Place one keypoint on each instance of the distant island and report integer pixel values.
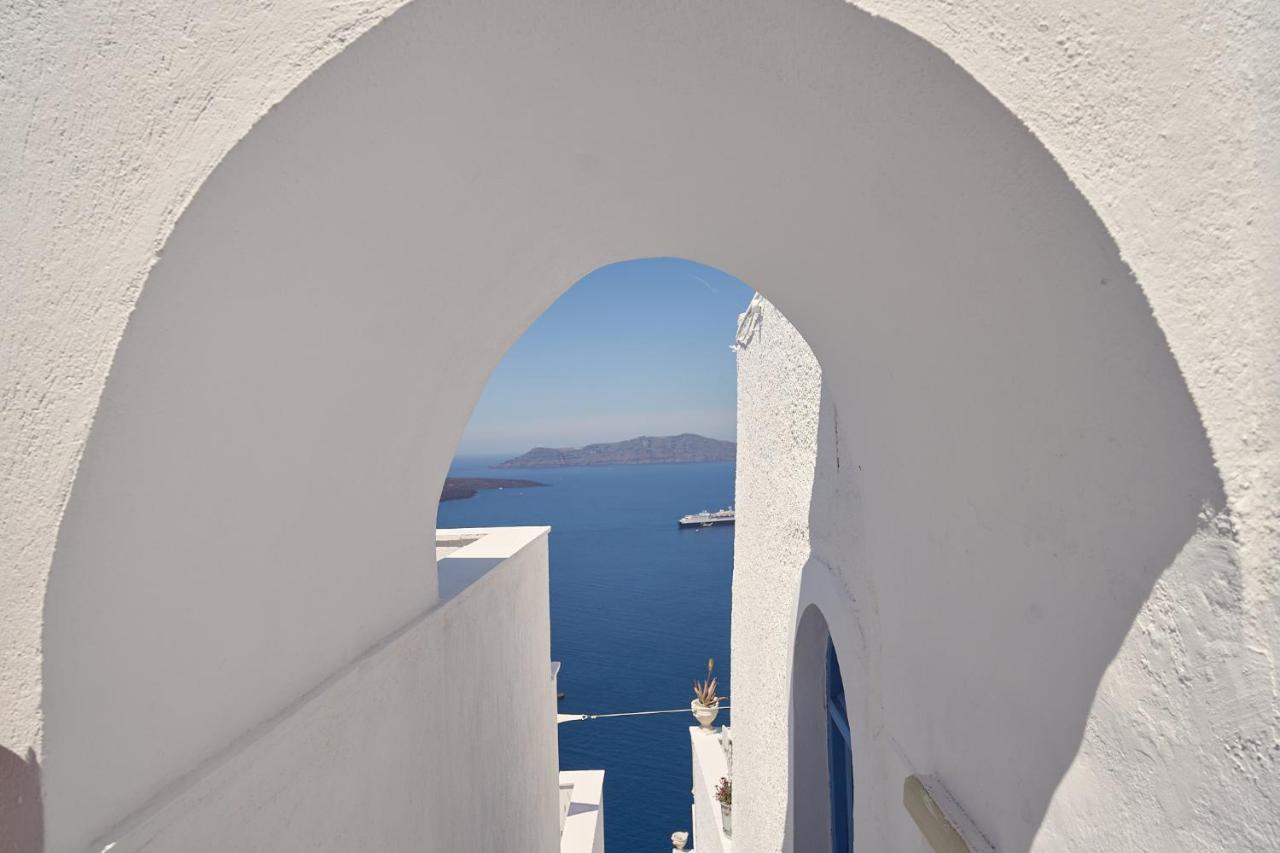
(460, 488)
(645, 450)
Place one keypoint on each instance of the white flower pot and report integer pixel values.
(704, 714)
(726, 818)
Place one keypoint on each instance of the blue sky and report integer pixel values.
(636, 348)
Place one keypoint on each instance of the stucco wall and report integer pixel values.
(464, 163)
(779, 394)
(441, 738)
(1003, 682)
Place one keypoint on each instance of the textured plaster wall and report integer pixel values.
(112, 118)
(380, 757)
(1153, 735)
(779, 394)
(470, 161)
(1167, 117)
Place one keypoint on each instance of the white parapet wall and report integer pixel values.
(581, 811)
(442, 737)
(710, 765)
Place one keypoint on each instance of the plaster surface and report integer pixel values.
(380, 757)
(709, 767)
(583, 822)
(1063, 711)
(933, 210)
(779, 398)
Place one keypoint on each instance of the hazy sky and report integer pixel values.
(637, 348)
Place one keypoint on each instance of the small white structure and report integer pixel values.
(581, 811)
(710, 765)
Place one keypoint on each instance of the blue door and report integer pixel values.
(839, 757)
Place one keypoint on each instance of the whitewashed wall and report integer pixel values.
(997, 675)
(950, 210)
(440, 738)
(709, 767)
(779, 395)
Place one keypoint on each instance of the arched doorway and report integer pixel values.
(839, 756)
(821, 795)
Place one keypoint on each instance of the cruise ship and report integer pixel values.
(707, 519)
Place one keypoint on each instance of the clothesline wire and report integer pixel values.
(634, 713)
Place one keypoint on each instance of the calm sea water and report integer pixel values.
(637, 607)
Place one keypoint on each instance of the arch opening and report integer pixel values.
(250, 509)
(612, 420)
(820, 794)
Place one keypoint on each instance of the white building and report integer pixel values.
(258, 262)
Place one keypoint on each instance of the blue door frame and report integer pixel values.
(839, 757)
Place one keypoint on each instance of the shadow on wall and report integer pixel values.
(21, 810)
(995, 544)
(456, 574)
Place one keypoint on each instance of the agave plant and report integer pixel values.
(705, 691)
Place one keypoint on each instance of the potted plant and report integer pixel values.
(724, 793)
(706, 704)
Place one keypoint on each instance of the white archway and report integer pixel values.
(303, 359)
(808, 800)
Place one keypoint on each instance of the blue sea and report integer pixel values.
(637, 607)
